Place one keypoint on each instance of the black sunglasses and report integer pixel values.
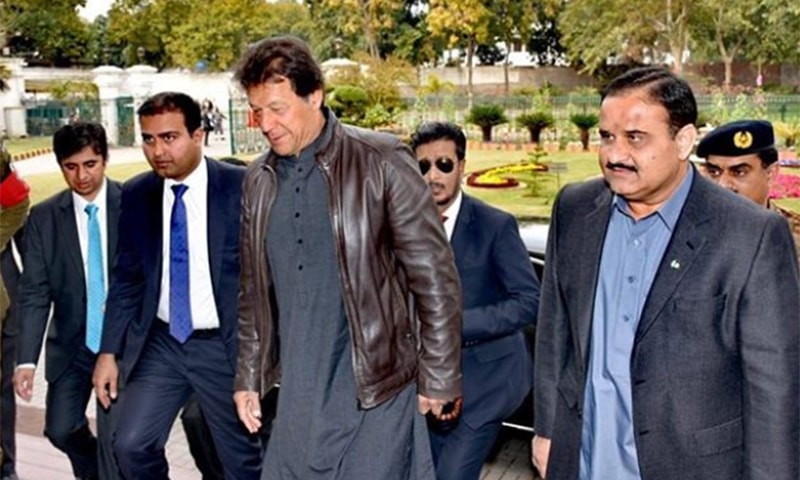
(443, 164)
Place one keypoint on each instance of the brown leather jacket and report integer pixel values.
(398, 277)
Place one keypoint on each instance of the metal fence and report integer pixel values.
(714, 109)
(43, 118)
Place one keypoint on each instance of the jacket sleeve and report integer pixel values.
(248, 368)
(512, 270)
(126, 292)
(551, 335)
(769, 323)
(34, 295)
(421, 246)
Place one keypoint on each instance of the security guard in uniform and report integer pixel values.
(741, 156)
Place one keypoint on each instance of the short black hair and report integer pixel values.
(173, 102)
(768, 156)
(431, 131)
(664, 87)
(71, 139)
(277, 58)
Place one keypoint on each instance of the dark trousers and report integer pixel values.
(459, 454)
(166, 374)
(67, 427)
(8, 405)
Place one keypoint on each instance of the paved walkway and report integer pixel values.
(37, 459)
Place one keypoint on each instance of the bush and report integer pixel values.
(584, 122)
(349, 103)
(487, 117)
(535, 122)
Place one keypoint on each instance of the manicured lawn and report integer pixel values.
(20, 145)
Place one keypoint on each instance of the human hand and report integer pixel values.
(248, 407)
(105, 378)
(23, 383)
(540, 453)
(435, 406)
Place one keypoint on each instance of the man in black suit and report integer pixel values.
(669, 330)
(501, 296)
(70, 242)
(179, 226)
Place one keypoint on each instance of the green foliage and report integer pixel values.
(789, 132)
(48, 32)
(584, 121)
(535, 122)
(377, 116)
(487, 116)
(349, 103)
(73, 91)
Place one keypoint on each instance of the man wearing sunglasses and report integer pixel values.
(500, 294)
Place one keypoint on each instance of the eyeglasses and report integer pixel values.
(443, 164)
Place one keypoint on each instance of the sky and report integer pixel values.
(94, 8)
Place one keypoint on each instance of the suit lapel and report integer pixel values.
(691, 234)
(589, 243)
(113, 196)
(66, 223)
(215, 200)
(462, 229)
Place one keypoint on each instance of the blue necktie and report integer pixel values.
(180, 309)
(96, 292)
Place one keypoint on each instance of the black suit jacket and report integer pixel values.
(501, 296)
(134, 293)
(53, 275)
(715, 367)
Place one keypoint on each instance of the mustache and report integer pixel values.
(435, 184)
(615, 165)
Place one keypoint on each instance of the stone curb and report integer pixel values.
(31, 153)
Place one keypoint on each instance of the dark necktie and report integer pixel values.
(444, 218)
(180, 309)
(96, 290)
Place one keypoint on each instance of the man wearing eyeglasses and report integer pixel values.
(500, 294)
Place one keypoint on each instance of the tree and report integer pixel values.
(544, 41)
(721, 29)
(584, 122)
(369, 18)
(487, 117)
(218, 33)
(48, 32)
(511, 22)
(535, 122)
(596, 31)
(463, 23)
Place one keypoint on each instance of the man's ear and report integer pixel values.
(773, 171)
(685, 139)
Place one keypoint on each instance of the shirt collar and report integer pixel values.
(196, 180)
(452, 211)
(671, 210)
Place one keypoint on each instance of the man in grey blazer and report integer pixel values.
(669, 327)
(66, 260)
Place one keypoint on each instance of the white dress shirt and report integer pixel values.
(204, 308)
(452, 215)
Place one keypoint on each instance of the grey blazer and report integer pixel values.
(715, 367)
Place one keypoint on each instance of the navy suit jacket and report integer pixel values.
(133, 295)
(53, 275)
(715, 370)
(501, 296)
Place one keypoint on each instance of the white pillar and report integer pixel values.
(109, 80)
(139, 84)
(14, 114)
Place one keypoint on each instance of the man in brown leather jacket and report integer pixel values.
(349, 294)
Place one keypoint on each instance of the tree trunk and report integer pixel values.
(470, 54)
(726, 83)
(585, 139)
(487, 133)
(536, 134)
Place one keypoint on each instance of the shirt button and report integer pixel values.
(627, 318)
(299, 241)
(296, 214)
(636, 243)
(631, 279)
(300, 169)
(300, 267)
(297, 189)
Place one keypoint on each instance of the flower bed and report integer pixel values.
(502, 176)
(785, 186)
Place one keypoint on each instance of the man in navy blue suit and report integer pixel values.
(501, 297)
(179, 226)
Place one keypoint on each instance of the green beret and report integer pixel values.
(737, 138)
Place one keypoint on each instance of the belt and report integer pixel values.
(199, 333)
